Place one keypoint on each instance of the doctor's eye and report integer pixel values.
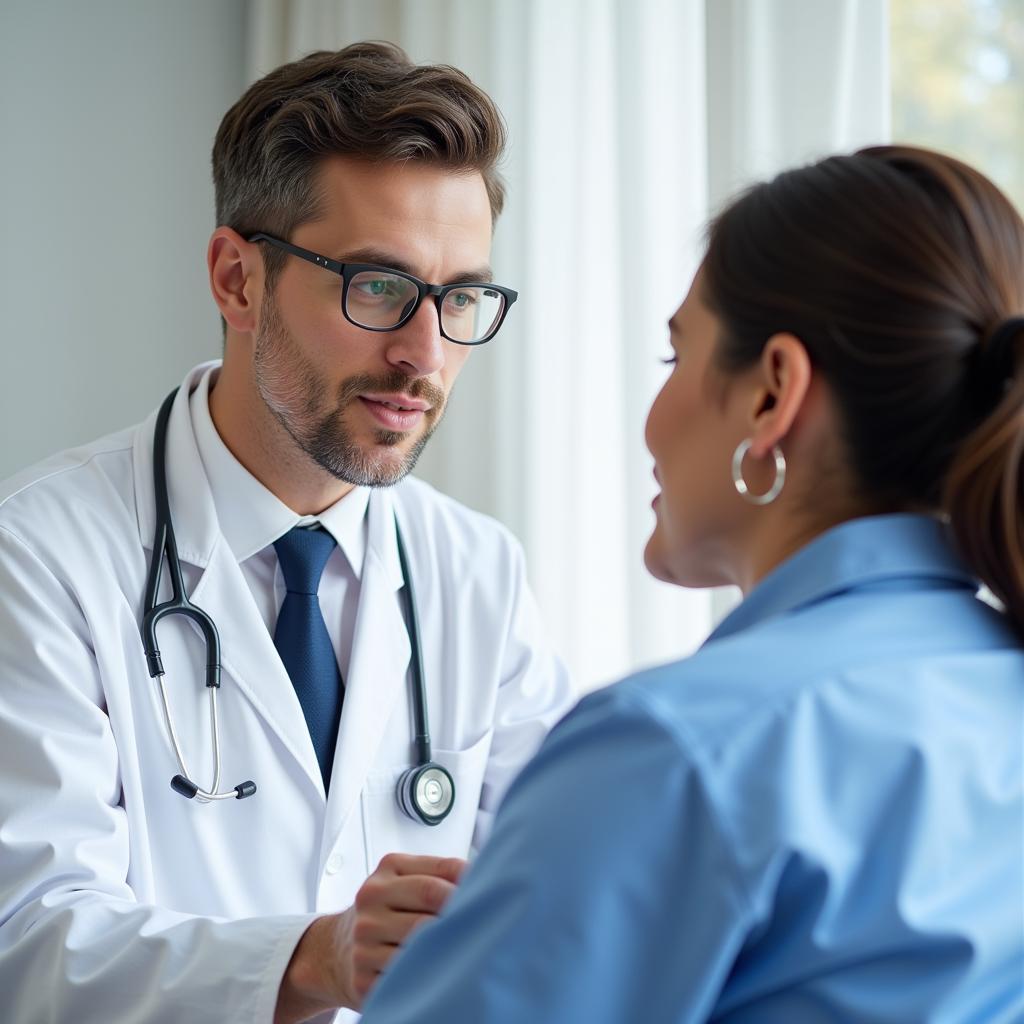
(461, 301)
(374, 288)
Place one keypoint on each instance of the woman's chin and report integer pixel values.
(680, 568)
(656, 562)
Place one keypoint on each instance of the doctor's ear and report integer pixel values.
(785, 380)
(236, 278)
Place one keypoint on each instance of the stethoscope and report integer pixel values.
(426, 791)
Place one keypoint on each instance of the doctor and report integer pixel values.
(356, 194)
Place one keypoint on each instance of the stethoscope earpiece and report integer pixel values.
(426, 793)
(189, 790)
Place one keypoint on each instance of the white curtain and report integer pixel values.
(617, 110)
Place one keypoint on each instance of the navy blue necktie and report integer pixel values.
(303, 642)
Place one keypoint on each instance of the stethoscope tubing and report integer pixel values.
(419, 700)
(165, 546)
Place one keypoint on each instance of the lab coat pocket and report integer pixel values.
(388, 830)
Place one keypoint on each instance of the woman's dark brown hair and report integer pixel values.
(367, 100)
(896, 267)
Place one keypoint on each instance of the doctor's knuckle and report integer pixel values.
(390, 863)
(431, 893)
(369, 895)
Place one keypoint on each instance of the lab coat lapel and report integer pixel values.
(378, 665)
(249, 658)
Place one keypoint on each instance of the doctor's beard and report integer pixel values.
(296, 394)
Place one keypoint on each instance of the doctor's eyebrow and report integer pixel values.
(483, 274)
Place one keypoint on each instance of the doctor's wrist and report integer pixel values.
(312, 982)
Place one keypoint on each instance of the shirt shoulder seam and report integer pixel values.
(39, 480)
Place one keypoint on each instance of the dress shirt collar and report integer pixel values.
(858, 552)
(250, 516)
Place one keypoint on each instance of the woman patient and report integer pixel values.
(819, 816)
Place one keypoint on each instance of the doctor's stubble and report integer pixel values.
(298, 397)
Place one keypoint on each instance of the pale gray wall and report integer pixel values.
(107, 114)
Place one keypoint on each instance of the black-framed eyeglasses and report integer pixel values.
(383, 299)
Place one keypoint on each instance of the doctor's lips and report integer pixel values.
(396, 411)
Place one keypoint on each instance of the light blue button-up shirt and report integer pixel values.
(818, 817)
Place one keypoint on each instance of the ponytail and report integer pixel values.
(984, 490)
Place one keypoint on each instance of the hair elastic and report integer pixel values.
(999, 352)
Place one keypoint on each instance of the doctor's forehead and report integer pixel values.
(356, 192)
(423, 213)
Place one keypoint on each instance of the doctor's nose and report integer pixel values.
(417, 347)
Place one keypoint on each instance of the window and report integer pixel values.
(958, 83)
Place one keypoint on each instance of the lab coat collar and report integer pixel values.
(859, 552)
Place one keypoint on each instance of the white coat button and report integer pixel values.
(334, 864)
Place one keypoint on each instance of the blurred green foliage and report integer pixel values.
(958, 82)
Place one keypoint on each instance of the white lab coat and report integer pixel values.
(122, 902)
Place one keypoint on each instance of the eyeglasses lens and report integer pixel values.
(379, 300)
(470, 314)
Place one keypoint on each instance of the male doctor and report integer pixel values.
(356, 194)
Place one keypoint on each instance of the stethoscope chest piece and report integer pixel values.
(426, 792)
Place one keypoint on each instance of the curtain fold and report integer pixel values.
(791, 81)
(629, 120)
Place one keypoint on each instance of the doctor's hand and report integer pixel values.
(340, 957)
(400, 895)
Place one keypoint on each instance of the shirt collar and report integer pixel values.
(250, 516)
(855, 553)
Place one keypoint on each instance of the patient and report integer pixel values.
(819, 816)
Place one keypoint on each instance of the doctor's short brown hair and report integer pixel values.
(367, 100)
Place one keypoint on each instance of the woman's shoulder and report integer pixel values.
(838, 722)
(869, 661)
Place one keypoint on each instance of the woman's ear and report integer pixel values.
(785, 380)
(236, 278)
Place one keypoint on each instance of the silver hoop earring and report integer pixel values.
(741, 485)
